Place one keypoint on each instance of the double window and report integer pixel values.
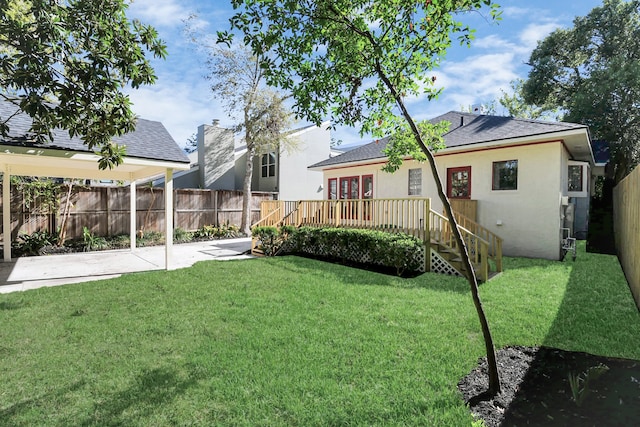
(268, 165)
(350, 187)
(505, 175)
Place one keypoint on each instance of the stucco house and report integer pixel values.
(219, 163)
(530, 179)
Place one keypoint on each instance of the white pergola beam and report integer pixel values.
(41, 162)
(6, 213)
(132, 214)
(168, 215)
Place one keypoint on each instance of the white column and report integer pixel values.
(132, 213)
(168, 215)
(6, 213)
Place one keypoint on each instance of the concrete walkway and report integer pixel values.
(26, 273)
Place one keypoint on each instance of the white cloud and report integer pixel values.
(494, 42)
(181, 106)
(515, 12)
(532, 33)
(167, 13)
(476, 79)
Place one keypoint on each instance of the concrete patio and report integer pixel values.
(27, 273)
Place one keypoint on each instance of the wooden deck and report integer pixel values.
(412, 216)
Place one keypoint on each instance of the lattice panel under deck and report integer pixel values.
(441, 266)
(354, 253)
(422, 257)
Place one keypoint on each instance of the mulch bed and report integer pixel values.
(536, 390)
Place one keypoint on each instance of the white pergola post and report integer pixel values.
(132, 215)
(168, 215)
(6, 213)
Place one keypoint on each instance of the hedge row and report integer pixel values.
(397, 250)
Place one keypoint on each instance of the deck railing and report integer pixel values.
(276, 212)
(494, 241)
(406, 215)
(478, 248)
(411, 216)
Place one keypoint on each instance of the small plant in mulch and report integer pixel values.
(579, 383)
(536, 389)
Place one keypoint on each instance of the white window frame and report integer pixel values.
(414, 181)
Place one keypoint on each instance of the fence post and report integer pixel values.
(427, 235)
(215, 208)
(108, 210)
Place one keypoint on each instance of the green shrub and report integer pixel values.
(398, 250)
(32, 244)
(224, 231)
(150, 238)
(121, 241)
(93, 242)
(270, 239)
(180, 235)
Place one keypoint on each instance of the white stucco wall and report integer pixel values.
(293, 180)
(260, 183)
(296, 181)
(216, 158)
(530, 215)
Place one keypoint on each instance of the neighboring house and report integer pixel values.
(530, 178)
(221, 164)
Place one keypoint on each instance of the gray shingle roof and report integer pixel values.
(150, 140)
(465, 129)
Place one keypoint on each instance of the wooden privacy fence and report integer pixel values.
(105, 210)
(626, 223)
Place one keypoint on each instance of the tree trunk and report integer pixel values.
(245, 224)
(494, 380)
(65, 215)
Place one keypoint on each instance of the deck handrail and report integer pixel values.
(495, 241)
(273, 218)
(477, 247)
(408, 215)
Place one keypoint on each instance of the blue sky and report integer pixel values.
(181, 98)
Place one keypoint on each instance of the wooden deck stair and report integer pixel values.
(454, 258)
(412, 216)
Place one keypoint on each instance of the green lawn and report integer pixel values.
(289, 341)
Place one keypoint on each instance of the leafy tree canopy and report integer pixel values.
(357, 62)
(331, 55)
(66, 64)
(238, 81)
(516, 106)
(592, 72)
